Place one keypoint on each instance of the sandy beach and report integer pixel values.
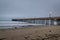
(32, 33)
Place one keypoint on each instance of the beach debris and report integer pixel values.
(51, 36)
(47, 37)
(26, 37)
(37, 38)
(2, 38)
(15, 27)
(33, 39)
(50, 31)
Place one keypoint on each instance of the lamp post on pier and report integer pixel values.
(50, 18)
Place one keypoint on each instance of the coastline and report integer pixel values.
(31, 33)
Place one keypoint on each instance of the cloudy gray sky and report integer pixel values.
(28, 8)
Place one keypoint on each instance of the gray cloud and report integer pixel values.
(28, 8)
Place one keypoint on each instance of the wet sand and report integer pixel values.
(32, 33)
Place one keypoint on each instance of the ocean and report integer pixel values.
(18, 24)
(11, 24)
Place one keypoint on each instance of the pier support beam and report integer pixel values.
(49, 22)
(45, 22)
(55, 22)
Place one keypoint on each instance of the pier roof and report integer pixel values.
(42, 18)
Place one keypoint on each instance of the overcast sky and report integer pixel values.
(28, 8)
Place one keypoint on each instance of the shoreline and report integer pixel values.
(26, 26)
